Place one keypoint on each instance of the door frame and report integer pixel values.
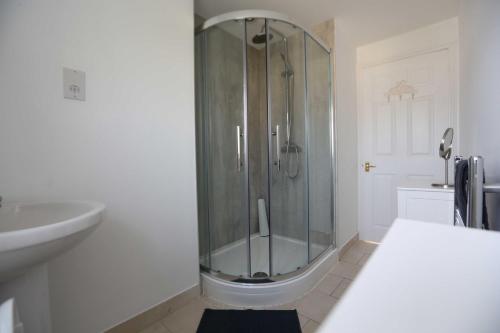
(397, 55)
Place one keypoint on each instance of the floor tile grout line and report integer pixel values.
(348, 275)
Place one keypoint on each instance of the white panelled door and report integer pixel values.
(399, 135)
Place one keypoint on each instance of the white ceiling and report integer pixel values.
(366, 20)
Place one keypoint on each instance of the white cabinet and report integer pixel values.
(426, 203)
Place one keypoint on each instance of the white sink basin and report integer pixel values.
(33, 233)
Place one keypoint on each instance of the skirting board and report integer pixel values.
(157, 312)
(348, 244)
(152, 315)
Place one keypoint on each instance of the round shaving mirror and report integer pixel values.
(445, 153)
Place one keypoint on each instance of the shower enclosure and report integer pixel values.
(264, 125)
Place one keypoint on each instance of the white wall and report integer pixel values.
(130, 145)
(480, 89)
(347, 140)
(425, 39)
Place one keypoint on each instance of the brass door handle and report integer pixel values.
(368, 166)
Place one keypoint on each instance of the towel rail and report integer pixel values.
(492, 188)
(475, 191)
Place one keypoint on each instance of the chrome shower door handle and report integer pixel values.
(238, 148)
(278, 151)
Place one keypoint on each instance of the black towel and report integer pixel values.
(461, 176)
(461, 179)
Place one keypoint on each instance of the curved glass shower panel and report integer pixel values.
(225, 160)
(320, 148)
(264, 146)
(287, 147)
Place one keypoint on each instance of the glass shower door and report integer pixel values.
(227, 178)
(320, 151)
(257, 147)
(287, 148)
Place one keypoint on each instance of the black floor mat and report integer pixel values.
(249, 321)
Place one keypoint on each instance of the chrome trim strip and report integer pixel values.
(246, 188)
(333, 143)
(253, 13)
(269, 148)
(307, 131)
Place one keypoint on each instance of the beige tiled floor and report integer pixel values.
(312, 308)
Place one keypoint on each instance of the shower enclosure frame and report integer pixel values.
(276, 17)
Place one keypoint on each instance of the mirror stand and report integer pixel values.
(446, 184)
(445, 153)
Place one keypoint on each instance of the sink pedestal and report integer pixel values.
(31, 292)
(31, 234)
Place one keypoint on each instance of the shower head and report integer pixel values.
(261, 37)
